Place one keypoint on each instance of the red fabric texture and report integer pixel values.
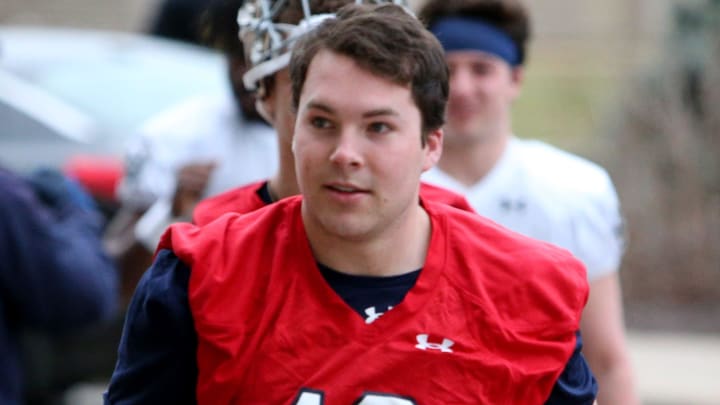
(239, 200)
(505, 306)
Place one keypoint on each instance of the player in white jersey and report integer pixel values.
(197, 149)
(539, 190)
(207, 129)
(529, 186)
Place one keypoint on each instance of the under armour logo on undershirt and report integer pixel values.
(423, 344)
(372, 315)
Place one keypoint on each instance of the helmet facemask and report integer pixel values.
(268, 44)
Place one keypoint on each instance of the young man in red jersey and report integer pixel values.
(360, 291)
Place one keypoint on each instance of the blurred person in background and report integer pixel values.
(270, 307)
(195, 150)
(179, 20)
(527, 185)
(55, 276)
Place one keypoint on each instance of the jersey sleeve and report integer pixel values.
(598, 230)
(156, 357)
(576, 385)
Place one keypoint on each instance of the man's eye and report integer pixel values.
(481, 69)
(378, 127)
(319, 122)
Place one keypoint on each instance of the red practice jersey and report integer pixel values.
(246, 199)
(491, 319)
(240, 199)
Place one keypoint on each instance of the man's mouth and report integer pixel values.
(346, 188)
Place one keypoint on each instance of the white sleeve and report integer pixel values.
(598, 230)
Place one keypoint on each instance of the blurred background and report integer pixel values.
(631, 84)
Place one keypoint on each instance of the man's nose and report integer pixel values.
(347, 149)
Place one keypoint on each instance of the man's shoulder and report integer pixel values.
(558, 168)
(441, 194)
(216, 250)
(240, 200)
(574, 204)
(474, 231)
(491, 260)
(189, 240)
(547, 159)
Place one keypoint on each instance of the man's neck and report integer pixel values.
(284, 183)
(399, 249)
(468, 163)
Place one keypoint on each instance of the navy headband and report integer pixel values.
(469, 34)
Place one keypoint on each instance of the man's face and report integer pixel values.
(482, 88)
(357, 149)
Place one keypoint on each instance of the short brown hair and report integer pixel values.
(509, 16)
(389, 42)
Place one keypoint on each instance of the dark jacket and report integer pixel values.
(54, 273)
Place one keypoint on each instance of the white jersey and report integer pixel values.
(552, 195)
(202, 129)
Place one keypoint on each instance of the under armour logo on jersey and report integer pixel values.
(423, 344)
(372, 315)
(509, 204)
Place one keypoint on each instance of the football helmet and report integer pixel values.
(268, 43)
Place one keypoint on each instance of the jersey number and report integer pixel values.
(311, 397)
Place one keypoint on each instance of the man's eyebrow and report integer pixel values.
(379, 112)
(315, 105)
(372, 113)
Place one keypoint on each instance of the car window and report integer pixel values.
(122, 95)
(118, 80)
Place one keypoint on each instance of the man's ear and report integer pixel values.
(517, 77)
(264, 108)
(433, 148)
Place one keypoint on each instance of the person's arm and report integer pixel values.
(156, 358)
(599, 233)
(147, 177)
(606, 350)
(153, 196)
(576, 385)
(56, 275)
(131, 257)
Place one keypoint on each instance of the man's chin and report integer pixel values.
(460, 137)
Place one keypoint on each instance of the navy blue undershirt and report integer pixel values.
(364, 293)
(264, 194)
(159, 342)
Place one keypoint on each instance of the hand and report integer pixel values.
(192, 180)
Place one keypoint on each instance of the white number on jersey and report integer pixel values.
(311, 397)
